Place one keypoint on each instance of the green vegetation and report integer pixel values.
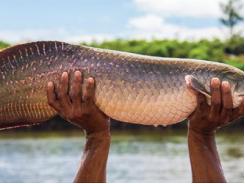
(229, 51)
(3, 45)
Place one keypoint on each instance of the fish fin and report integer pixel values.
(195, 84)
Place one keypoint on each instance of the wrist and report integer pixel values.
(201, 127)
(201, 132)
(98, 140)
(100, 135)
(94, 126)
(200, 139)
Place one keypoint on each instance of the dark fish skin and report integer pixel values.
(129, 87)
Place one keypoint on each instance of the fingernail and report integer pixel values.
(77, 73)
(225, 84)
(64, 74)
(90, 80)
(50, 84)
(215, 81)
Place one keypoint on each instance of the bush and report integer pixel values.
(3, 45)
(234, 46)
(213, 50)
(235, 61)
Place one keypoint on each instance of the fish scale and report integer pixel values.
(129, 87)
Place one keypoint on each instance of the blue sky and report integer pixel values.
(86, 20)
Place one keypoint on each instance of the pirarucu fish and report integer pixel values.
(129, 87)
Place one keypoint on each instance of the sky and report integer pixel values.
(99, 20)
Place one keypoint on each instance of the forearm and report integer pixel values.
(94, 159)
(205, 162)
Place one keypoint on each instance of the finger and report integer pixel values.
(63, 91)
(215, 98)
(226, 101)
(238, 112)
(226, 95)
(201, 102)
(51, 96)
(89, 91)
(76, 89)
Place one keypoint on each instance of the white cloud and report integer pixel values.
(61, 34)
(153, 26)
(152, 23)
(192, 8)
(147, 23)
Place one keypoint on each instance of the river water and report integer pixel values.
(134, 157)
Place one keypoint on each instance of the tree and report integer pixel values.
(231, 14)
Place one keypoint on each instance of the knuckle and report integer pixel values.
(74, 95)
(61, 94)
(226, 92)
(87, 98)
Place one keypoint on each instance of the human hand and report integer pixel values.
(206, 119)
(75, 105)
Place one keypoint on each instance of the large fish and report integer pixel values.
(129, 87)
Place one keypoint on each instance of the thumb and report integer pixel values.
(188, 82)
(201, 100)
